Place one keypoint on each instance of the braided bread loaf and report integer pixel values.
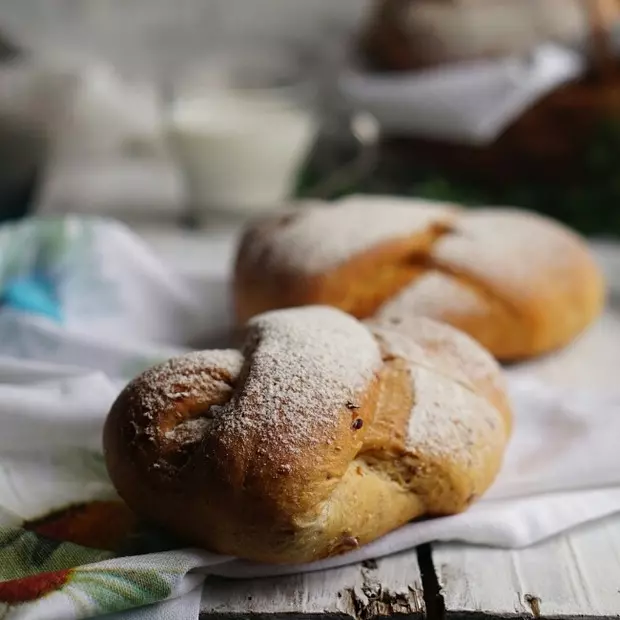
(517, 282)
(321, 435)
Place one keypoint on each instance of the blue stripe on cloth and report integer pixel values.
(32, 295)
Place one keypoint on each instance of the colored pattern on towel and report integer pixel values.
(69, 547)
(85, 558)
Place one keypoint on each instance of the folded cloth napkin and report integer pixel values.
(471, 102)
(84, 306)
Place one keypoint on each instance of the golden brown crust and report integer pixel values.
(322, 435)
(519, 283)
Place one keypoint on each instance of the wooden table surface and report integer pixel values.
(571, 576)
(576, 575)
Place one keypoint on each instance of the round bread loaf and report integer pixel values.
(321, 435)
(519, 283)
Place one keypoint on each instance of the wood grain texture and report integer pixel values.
(388, 587)
(576, 575)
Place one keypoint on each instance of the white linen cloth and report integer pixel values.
(471, 102)
(85, 305)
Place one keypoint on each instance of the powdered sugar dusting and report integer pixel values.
(304, 365)
(451, 414)
(453, 348)
(190, 431)
(322, 236)
(444, 349)
(448, 420)
(509, 249)
(435, 295)
(199, 376)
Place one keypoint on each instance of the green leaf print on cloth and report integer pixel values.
(80, 559)
(111, 590)
(87, 591)
(24, 553)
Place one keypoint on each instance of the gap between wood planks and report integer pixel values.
(434, 602)
(433, 598)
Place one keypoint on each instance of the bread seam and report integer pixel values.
(430, 367)
(429, 264)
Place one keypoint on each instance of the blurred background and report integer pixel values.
(186, 114)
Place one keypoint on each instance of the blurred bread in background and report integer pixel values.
(410, 34)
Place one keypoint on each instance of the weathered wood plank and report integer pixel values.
(576, 575)
(391, 586)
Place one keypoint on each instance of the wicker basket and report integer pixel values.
(549, 140)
